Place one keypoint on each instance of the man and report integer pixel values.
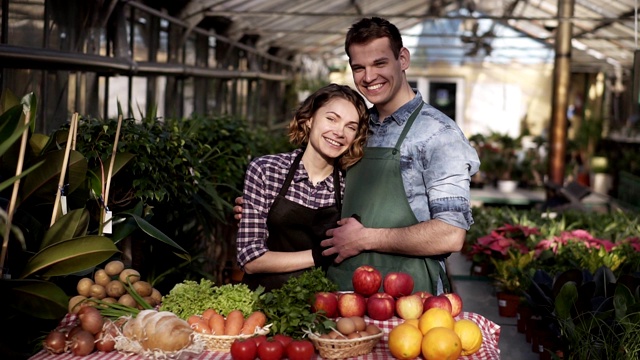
(411, 189)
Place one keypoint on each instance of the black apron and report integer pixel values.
(375, 192)
(294, 227)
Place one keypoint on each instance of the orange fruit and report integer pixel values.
(405, 342)
(435, 317)
(470, 335)
(413, 322)
(441, 343)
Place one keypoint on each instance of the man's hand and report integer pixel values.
(237, 210)
(346, 241)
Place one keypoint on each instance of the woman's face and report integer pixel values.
(333, 128)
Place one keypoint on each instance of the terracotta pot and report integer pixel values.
(508, 304)
(532, 323)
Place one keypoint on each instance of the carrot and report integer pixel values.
(193, 319)
(207, 313)
(256, 319)
(216, 323)
(234, 323)
(201, 326)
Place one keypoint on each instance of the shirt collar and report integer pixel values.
(302, 174)
(401, 115)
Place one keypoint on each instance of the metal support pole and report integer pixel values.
(560, 94)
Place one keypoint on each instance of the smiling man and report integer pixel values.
(410, 191)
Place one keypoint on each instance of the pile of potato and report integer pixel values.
(110, 285)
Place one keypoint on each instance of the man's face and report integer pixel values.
(377, 74)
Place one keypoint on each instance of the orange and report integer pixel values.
(435, 317)
(405, 342)
(441, 343)
(413, 322)
(470, 335)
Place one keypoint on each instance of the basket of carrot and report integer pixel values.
(218, 333)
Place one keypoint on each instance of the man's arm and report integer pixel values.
(432, 237)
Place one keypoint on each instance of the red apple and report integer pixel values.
(327, 302)
(456, 303)
(409, 307)
(398, 284)
(423, 295)
(381, 306)
(366, 280)
(352, 304)
(439, 301)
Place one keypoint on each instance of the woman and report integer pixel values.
(291, 199)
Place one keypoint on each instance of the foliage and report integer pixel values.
(513, 274)
(596, 315)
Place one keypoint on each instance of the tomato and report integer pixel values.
(270, 350)
(259, 339)
(284, 339)
(243, 349)
(300, 350)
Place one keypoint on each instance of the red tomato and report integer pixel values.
(284, 339)
(243, 349)
(259, 339)
(300, 350)
(270, 350)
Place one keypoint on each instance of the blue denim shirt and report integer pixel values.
(437, 162)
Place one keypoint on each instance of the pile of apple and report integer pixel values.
(396, 298)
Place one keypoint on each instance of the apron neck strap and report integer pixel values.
(336, 179)
(408, 125)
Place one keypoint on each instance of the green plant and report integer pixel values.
(513, 274)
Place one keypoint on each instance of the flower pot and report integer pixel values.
(532, 323)
(507, 186)
(508, 304)
(480, 269)
(523, 314)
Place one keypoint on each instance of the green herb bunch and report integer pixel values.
(288, 309)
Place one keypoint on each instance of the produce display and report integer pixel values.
(306, 318)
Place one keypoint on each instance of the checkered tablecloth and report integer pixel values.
(488, 351)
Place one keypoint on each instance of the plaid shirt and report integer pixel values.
(263, 181)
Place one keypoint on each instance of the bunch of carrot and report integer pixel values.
(211, 322)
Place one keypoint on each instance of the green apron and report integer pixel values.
(375, 192)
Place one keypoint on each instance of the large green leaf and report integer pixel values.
(8, 100)
(70, 256)
(95, 180)
(565, 299)
(44, 182)
(154, 232)
(10, 128)
(72, 225)
(5, 184)
(41, 299)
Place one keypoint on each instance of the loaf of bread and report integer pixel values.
(159, 330)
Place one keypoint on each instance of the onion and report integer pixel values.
(82, 343)
(73, 331)
(55, 342)
(106, 339)
(90, 319)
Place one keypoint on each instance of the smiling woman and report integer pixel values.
(291, 199)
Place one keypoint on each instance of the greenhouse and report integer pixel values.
(183, 157)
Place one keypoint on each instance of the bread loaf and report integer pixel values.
(162, 330)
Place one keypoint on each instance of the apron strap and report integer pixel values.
(290, 174)
(407, 127)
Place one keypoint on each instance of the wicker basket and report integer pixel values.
(222, 343)
(345, 348)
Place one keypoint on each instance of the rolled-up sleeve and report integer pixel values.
(252, 237)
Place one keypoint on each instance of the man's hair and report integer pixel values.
(369, 29)
(299, 131)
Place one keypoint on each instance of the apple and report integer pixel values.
(409, 307)
(327, 302)
(456, 303)
(423, 295)
(398, 284)
(366, 280)
(439, 301)
(381, 306)
(352, 304)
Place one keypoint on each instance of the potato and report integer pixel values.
(143, 288)
(114, 268)
(115, 289)
(84, 287)
(129, 275)
(76, 302)
(127, 300)
(98, 291)
(155, 294)
(101, 277)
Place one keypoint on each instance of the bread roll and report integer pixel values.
(163, 331)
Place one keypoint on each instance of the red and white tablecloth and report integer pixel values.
(488, 351)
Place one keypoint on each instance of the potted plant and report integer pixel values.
(511, 277)
(501, 160)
